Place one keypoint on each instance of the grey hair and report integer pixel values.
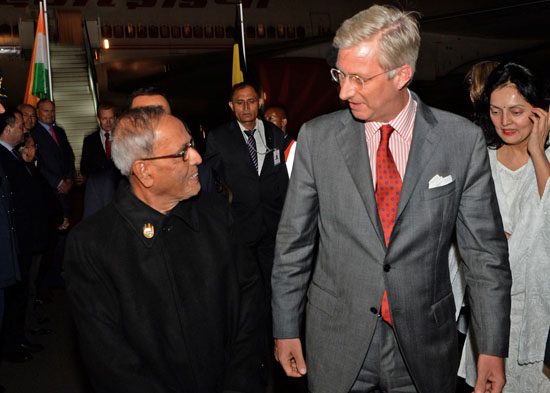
(396, 30)
(20, 107)
(133, 136)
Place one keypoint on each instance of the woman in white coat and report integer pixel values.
(516, 129)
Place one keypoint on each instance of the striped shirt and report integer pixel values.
(400, 140)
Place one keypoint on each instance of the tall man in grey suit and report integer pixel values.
(384, 186)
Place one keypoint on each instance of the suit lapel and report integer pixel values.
(49, 137)
(424, 142)
(353, 145)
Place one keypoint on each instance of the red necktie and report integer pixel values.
(107, 145)
(53, 136)
(388, 190)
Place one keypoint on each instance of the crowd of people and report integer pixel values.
(347, 256)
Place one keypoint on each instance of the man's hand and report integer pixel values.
(65, 186)
(288, 352)
(65, 224)
(490, 374)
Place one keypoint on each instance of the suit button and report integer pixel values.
(374, 310)
(387, 268)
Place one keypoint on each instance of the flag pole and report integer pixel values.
(48, 48)
(242, 31)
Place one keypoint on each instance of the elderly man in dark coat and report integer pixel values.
(164, 296)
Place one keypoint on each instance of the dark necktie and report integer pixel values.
(17, 154)
(252, 147)
(108, 145)
(53, 136)
(388, 191)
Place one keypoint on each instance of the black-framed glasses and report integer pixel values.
(184, 154)
(356, 81)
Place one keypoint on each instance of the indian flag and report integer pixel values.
(38, 83)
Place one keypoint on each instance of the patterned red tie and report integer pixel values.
(388, 190)
(108, 145)
(53, 136)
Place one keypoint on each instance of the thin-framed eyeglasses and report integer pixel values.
(356, 81)
(184, 154)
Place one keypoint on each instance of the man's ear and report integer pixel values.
(142, 173)
(231, 106)
(284, 122)
(260, 102)
(403, 76)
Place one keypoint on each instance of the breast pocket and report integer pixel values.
(439, 192)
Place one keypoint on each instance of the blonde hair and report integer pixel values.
(396, 30)
(476, 77)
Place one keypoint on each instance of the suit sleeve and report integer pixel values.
(69, 157)
(112, 364)
(484, 249)
(213, 155)
(295, 245)
(85, 159)
(244, 368)
(46, 168)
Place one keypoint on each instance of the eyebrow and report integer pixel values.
(513, 106)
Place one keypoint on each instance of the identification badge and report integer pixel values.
(276, 157)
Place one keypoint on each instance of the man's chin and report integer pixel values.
(359, 115)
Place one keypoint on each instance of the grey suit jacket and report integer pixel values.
(331, 195)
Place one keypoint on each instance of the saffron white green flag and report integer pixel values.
(38, 84)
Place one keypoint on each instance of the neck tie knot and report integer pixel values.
(250, 133)
(385, 132)
(107, 136)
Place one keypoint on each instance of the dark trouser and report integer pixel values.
(16, 298)
(383, 370)
(31, 318)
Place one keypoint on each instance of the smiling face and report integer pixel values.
(509, 112)
(174, 179)
(380, 99)
(29, 117)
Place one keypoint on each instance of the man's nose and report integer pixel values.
(347, 90)
(194, 156)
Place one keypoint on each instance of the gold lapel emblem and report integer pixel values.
(148, 231)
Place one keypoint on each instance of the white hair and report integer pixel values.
(133, 136)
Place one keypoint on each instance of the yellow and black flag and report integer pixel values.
(239, 57)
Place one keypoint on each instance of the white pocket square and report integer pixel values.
(439, 181)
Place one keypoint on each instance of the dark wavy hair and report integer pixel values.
(524, 81)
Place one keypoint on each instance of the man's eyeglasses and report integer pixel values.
(356, 81)
(184, 154)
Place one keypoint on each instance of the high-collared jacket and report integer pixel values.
(164, 303)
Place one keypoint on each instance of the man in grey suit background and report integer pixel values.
(384, 187)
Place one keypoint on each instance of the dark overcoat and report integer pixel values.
(9, 268)
(176, 312)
